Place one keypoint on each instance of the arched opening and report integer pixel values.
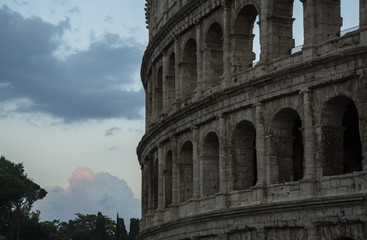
(244, 164)
(155, 184)
(168, 180)
(209, 161)
(242, 40)
(342, 148)
(159, 93)
(298, 26)
(213, 55)
(287, 145)
(171, 78)
(186, 172)
(350, 21)
(189, 69)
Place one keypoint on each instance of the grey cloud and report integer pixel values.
(89, 193)
(112, 131)
(22, 3)
(74, 10)
(108, 19)
(87, 85)
(112, 148)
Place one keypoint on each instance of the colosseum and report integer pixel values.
(250, 145)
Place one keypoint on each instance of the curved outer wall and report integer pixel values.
(236, 149)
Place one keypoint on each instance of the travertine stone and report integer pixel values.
(239, 150)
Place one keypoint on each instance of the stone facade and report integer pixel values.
(235, 149)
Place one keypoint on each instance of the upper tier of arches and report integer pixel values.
(201, 54)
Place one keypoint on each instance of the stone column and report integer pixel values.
(309, 32)
(178, 74)
(363, 130)
(166, 9)
(144, 195)
(226, 45)
(165, 67)
(196, 163)
(223, 156)
(362, 13)
(149, 185)
(160, 177)
(199, 61)
(175, 159)
(153, 104)
(148, 104)
(264, 38)
(309, 144)
(260, 146)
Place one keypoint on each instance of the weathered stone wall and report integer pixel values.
(241, 150)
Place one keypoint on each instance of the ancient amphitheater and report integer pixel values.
(237, 149)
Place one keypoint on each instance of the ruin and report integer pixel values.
(246, 145)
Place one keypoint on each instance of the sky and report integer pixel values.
(72, 103)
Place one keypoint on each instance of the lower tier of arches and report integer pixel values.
(314, 218)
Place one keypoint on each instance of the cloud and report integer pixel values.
(89, 84)
(74, 10)
(89, 193)
(112, 148)
(112, 131)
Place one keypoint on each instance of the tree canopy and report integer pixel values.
(17, 195)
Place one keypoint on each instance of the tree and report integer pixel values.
(17, 195)
(91, 226)
(134, 228)
(100, 230)
(120, 231)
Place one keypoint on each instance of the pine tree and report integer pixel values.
(120, 232)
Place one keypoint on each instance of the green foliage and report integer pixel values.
(120, 231)
(134, 228)
(17, 195)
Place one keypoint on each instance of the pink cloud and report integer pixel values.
(88, 193)
(82, 176)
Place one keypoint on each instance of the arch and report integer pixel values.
(168, 179)
(213, 55)
(350, 21)
(287, 146)
(155, 184)
(159, 93)
(244, 162)
(342, 148)
(242, 40)
(171, 78)
(209, 161)
(186, 171)
(189, 69)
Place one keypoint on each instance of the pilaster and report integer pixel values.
(165, 67)
(196, 163)
(260, 146)
(226, 45)
(177, 73)
(363, 13)
(223, 156)
(199, 61)
(309, 143)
